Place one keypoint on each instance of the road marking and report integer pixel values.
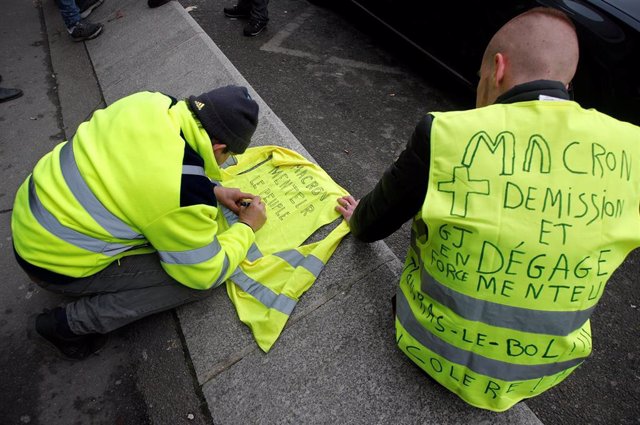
(363, 65)
(274, 45)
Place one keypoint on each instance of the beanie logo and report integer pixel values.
(199, 105)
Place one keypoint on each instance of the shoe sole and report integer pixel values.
(89, 37)
(15, 96)
(88, 11)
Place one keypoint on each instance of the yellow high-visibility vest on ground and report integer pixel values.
(281, 265)
(530, 208)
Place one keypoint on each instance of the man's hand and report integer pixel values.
(230, 197)
(346, 206)
(254, 213)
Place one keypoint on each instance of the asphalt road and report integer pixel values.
(351, 92)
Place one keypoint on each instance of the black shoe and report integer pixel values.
(9, 94)
(236, 12)
(85, 30)
(156, 3)
(254, 28)
(87, 6)
(75, 347)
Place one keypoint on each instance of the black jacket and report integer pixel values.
(401, 191)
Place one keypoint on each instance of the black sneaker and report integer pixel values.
(87, 6)
(75, 347)
(254, 28)
(7, 94)
(236, 12)
(85, 30)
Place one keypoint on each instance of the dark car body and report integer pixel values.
(455, 34)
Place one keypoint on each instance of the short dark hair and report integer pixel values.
(550, 11)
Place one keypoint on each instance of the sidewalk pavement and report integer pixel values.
(336, 361)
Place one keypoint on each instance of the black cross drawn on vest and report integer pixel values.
(461, 187)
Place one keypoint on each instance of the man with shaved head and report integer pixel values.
(522, 209)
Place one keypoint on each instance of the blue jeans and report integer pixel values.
(69, 11)
(135, 287)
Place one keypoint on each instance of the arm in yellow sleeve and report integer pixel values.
(191, 250)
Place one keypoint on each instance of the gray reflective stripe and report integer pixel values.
(229, 162)
(194, 170)
(295, 259)
(266, 296)
(313, 264)
(225, 267)
(49, 222)
(88, 200)
(254, 252)
(192, 256)
(228, 215)
(560, 323)
(475, 362)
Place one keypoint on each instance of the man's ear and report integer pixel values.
(218, 147)
(499, 68)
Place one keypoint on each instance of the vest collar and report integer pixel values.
(196, 136)
(533, 90)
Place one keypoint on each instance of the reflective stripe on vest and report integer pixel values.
(266, 296)
(49, 222)
(479, 364)
(192, 256)
(90, 203)
(193, 170)
(295, 259)
(112, 224)
(522, 319)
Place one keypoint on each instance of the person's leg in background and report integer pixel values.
(78, 29)
(258, 19)
(241, 10)
(254, 10)
(87, 6)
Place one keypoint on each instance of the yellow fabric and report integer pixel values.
(130, 155)
(530, 208)
(300, 199)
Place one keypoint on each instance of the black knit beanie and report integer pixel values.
(228, 114)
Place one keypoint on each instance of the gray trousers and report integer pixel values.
(135, 287)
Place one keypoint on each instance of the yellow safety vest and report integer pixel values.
(530, 208)
(115, 191)
(283, 262)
